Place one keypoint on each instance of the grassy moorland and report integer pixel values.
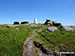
(59, 40)
(12, 40)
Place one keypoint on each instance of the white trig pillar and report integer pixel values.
(35, 20)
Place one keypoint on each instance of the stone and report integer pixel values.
(9, 26)
(48, 22)
(15, 23)
(28, 47)
(39, 30)
(25, 22)
(56, 23)
(72, 27)
(17, 28)
(67, 28)
(33, 25)
(52, 29)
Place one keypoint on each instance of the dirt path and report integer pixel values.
(29, 46)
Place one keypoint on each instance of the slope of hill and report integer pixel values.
(12, 40)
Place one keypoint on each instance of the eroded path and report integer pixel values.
(28, 47)
(31, 48)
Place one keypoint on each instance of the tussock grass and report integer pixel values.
(11, 40)
(58, 40)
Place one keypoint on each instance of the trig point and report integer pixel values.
(35, 20)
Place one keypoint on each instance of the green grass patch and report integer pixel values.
(11, 40)
(58, 40)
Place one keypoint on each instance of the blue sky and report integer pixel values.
(26, 10)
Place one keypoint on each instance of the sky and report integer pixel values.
(62, 11)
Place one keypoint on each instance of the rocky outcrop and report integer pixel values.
(48, 22)
(52, 29)
(25, 22)
(56, 23)
(16, 23)
(52, 23)
(67, 28)
(73, 27)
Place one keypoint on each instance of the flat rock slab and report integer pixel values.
(73, 27)
(52, 29)
(67, 28)
(9, 26)
(33, 25)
